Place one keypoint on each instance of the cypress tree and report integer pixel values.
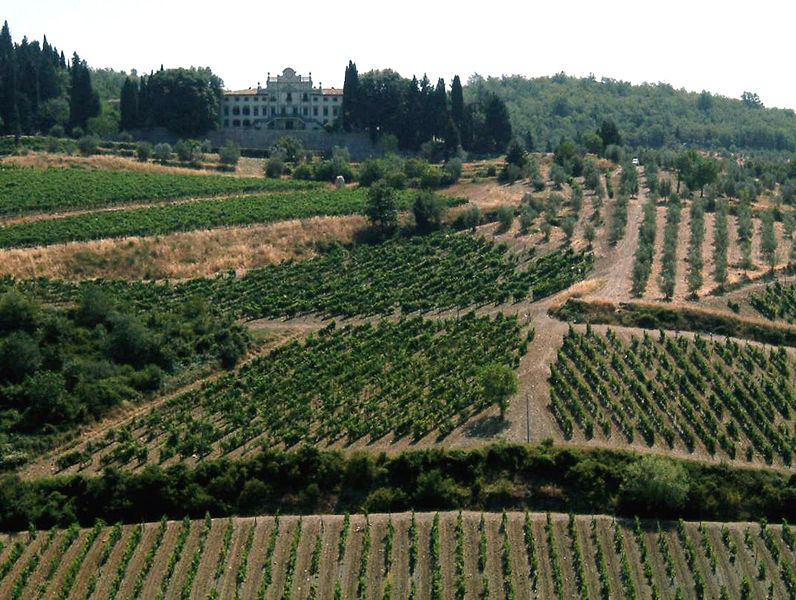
(9, 112)
(128, 105)
(439, 109)
(496, 124)
(351, 117)
(457, 102)
(83, 102)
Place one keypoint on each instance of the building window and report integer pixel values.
(246, 99)
(236, 110)
(295, 110)
(237, 99)
(305, 98)
(273, 110)
(325, 111)
(315, 99)
(314, 111)
(325, 99)
(334, 111)
(273, 98)
(283, 110)
(289, 97)
(246, 110)
(257, 111)
(236, 122)
(245, 122)
(226, 111)
(226, 99)
(334, 99)
(226, 122)
(306, 111)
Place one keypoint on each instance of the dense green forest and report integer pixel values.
(63, 367)
(648, 115)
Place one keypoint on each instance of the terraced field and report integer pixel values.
(191, 216)
(384, 382)
(427, 556)
(422, 273)
(28, 190)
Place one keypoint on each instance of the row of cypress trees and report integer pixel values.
(416, 111)
(39, 88)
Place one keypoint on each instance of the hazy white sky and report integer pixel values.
(726, 46)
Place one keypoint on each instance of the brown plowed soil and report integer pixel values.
(174, 585)
(205, 577)
(8, 582)
(257, 558)
(727, 574)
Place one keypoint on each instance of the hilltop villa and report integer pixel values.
(288, 101)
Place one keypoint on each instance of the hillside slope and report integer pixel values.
(653, 115)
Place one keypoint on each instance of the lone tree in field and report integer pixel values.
(381, 209)
(499, 383)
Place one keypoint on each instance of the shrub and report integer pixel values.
(415, 167)
(453, 169)
(57, 130)
(505, 217)
(558, 176)
(370, 171)
(162, 152)
(429, 211)
(469, 219)
(19, 357)
(17, 312)
(381, 209)
(431, 178)
(274, 167)
(87, 145)
(653, 482)
(143, 151)
(304, 172)
(229, 155)
(188, 151)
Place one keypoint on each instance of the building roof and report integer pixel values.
(254, 92)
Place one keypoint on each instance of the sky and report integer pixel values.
(726, 47)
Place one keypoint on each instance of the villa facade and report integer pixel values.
(287, 102)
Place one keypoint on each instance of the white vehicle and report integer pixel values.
(635, 161)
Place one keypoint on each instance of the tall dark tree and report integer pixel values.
(128, 106)
(609, 133)
(457, 103)
(9, 112)
(186, 101)
(83, 102)
(438, 104)
(350, 96)
(496, 124)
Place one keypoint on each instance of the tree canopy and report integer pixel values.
(418, 111)
(652, 115)
(185, 101)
